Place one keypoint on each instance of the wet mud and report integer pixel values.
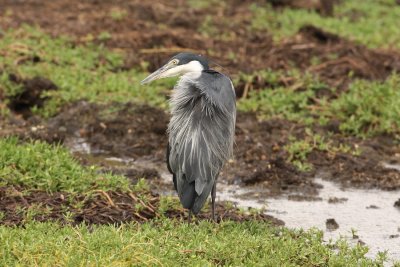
(31, 94)
(138, 133)
(19, 207)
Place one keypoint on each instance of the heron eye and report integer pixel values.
(175, 62)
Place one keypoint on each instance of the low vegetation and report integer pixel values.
(369, 23)
(369, 108)
(295, 102)
(171, 243)
(39, 166)
(88, 72)
(299, 149)
(94, 73)
(366, 109)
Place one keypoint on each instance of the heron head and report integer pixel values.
(179, 64)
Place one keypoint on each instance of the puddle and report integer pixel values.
(392, 166)
(80, 145)
(369, 212)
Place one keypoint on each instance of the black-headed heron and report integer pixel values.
(201, 129)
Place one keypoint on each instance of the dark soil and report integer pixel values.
(19, 207)
(138, 132)
(261, 158)
(31, 94)
(127, 131)
(335, 200)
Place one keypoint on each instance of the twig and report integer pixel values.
(107, 196)
(141, 217)
(302, 46)
(143, 204)
(246, 90)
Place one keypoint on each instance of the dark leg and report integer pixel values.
(213, 194)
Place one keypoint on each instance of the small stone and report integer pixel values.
(331, 224)
(397, 203)
(335, 200)
(373, 207)
(304, 198)
(62, 129)
(360, 242)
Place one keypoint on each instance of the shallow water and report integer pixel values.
(392, 166)
(369, 212)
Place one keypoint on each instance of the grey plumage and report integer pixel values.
(201, 130)
(201, 134)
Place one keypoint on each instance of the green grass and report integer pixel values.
(299, 149)
(118, 14)
(38, 165)
(294, 102)
(88, 71)
(370, 22)
(205, 4)
(172, 243)
(367, 108)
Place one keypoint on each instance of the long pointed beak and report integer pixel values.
(157, 74)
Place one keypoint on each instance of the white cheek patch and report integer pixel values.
(193, 66)
(192, 70)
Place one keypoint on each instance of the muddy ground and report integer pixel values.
(151, 32)
(103, 207)
(259, 154)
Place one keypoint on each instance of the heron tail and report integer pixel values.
(201, 199)
(188, 195)
(190, 199)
